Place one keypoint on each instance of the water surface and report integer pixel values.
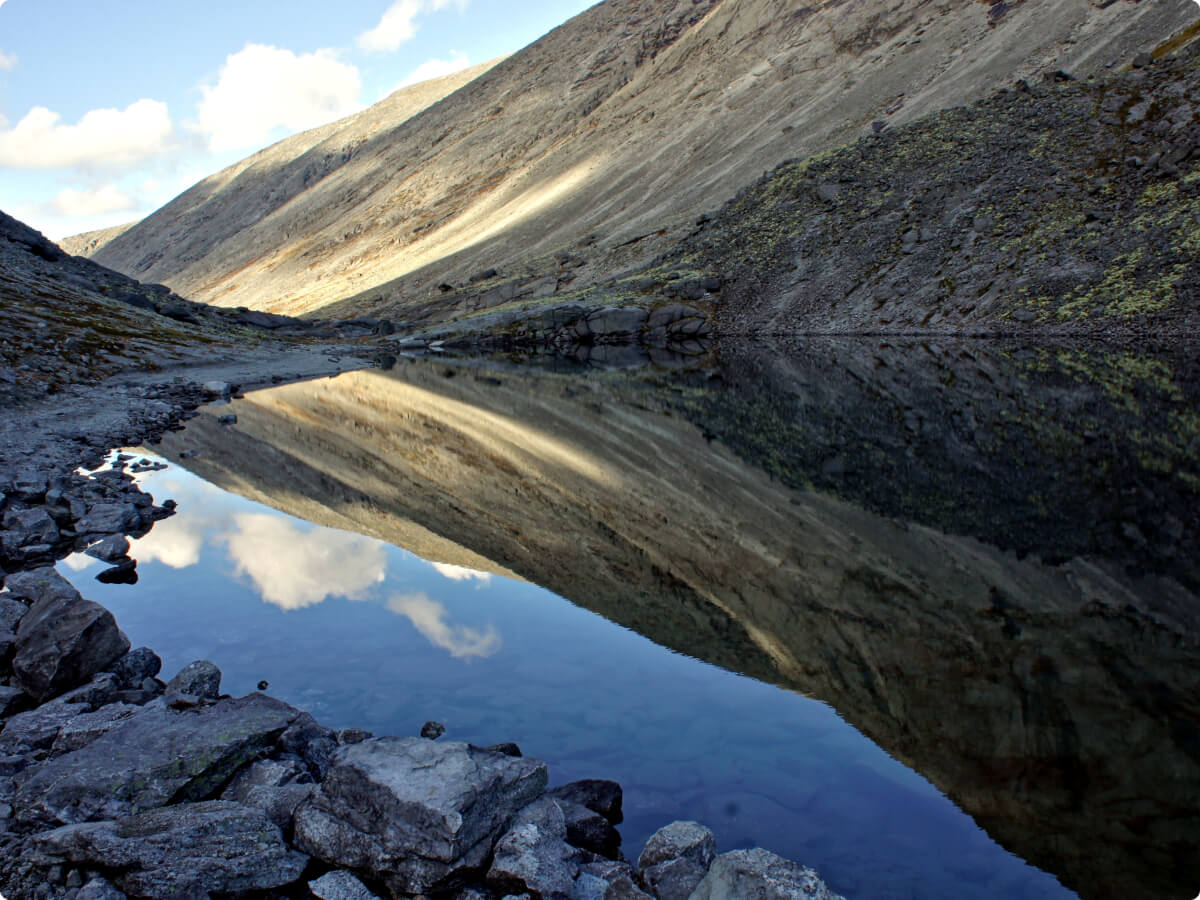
(920, 617)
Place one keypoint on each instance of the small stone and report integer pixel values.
(353, 736)
(433, 730)
(340, 885)
(828, 192)
(227, 419)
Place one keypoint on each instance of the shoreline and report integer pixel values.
(111, 778)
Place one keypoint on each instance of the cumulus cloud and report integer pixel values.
(261, 88)
(171, 544)
(8, 61)
(92, 201)
(112, 138)
(461, 573)
(293, 569)
(399, 24)
(429, 618)
(436, 68)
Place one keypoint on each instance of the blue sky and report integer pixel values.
(109, 108)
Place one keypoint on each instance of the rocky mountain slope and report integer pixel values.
(593, 149)
(1005, 681)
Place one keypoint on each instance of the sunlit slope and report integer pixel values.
(634, 116)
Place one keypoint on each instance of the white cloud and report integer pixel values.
(461, 573)
(103, 137)
(436, 68)
(399, 24)
(92, 201)
(261, 88)
(293, 569)
(429, 618)
(8, 61)
(171, 544)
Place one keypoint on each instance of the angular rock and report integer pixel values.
(154, 758)
(597, 794)
(102, 689)
(533, 856)
(189, 850)
(35, 524)
(268, 773)
(679, 840)
(761, 875)
(311, 742)
(38, 584)
(673, 879)
(413, 813)
(109, 518)
(135, 667)
(112, 548)
(624, 888)
(340, 885)
(37, 729)
(81, 730)
(200, 679)
(63, 640)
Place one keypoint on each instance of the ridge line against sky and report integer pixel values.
(118, 108)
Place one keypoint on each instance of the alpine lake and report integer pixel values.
(922, 615)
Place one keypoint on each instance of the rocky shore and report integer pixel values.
(115, 783)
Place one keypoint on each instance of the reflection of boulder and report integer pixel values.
(1060, 706)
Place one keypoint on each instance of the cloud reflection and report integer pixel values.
(292, 568)
(429, 618)
(462, 573)
(177, 547)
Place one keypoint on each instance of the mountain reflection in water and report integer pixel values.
(983, 557)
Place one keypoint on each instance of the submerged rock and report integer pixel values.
(189, 850)
(413, 813)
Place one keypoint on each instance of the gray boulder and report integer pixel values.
(597, 794)
(109, 518)
(135, 667)
(590, 830)
(37, 729)
(11, 613)
(624, 888)
(36, 525)
(340, 885)
(676, 859)
(112, 548)
(189, 850)
(275, 786)
(412, 812)
(533, 856)
(198, 679)
(761, 875)
(153, 758)
(63, 640)
(81, 730)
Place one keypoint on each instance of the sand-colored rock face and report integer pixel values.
(631, 118)
(1056, 704)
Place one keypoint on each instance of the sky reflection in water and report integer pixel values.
(365, 634)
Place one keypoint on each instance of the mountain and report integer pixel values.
(594, 149)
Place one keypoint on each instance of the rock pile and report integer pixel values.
(114, 783)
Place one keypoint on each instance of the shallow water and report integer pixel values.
(888, 623)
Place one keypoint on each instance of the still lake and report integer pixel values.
(921, 616)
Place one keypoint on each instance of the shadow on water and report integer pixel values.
(984, 557)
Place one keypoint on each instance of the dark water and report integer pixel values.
(922, 617)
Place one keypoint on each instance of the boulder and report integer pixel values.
(612, 321)
(676, 859)
(81, 730)
(11, 613)
(64, 639)
(533, 856)
(413, 813)
(188, 850)
(312, 742)
(761, 875)
(37, 729)
(199, 679)
(156, 757)
(12, 701)
(135, 667)
(35, 525)
(111, 549)
(340, 885)
(109, 518)
(99, 889)
(275, 786)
